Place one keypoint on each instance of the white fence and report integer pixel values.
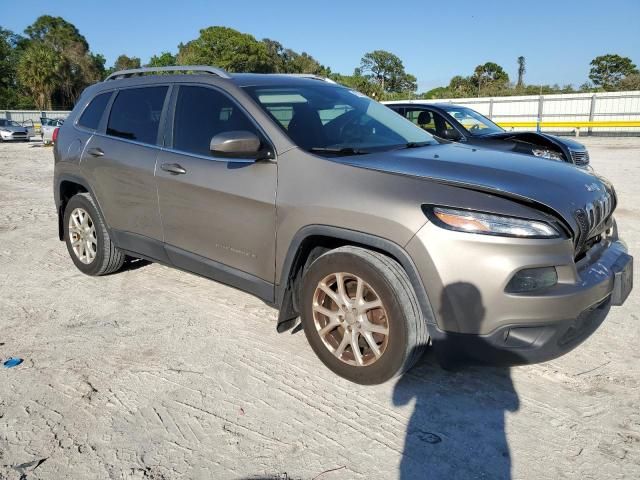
(572, 107)
(34, 116)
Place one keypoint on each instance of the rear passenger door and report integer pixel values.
(119, 162)
(218, 214)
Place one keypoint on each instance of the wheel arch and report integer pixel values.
(311, 241)
(66, 187)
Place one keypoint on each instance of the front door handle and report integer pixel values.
(96, 152)
(173, 168)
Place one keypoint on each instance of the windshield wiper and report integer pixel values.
(417, 144)
(338, 151)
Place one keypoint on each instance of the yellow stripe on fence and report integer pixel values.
(612, 123)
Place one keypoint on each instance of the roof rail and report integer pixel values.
(186, 68)
(309, 75)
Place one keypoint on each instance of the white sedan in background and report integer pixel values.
(48, 127)
(12, 131)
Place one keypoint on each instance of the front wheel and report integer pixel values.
(361, 315)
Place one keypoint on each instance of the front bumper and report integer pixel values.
(17, 136)
(465, 276)
(520, 345)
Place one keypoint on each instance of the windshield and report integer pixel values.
(472, 121)
(8, 123)
(334, 120)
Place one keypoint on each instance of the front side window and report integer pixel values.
(135, 114)
(472, 121)
(428, 120)
(202, 113)
(327, 119)
(93, 113)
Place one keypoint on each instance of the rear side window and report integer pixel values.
(202, 113)
(135, 114)
(93, 113)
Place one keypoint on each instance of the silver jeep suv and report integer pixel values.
(331, 207)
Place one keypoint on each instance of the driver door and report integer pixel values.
(218, 214)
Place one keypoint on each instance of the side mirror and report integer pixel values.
(451, 134)
(237, 143)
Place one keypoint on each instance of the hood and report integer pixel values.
(558, 186)
(13, 128)
(539, 138)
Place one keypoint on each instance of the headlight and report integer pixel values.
(489, 224)
(4, 131)
(550, 154)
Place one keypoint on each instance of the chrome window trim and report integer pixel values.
(215, 159)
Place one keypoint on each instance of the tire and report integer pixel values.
(383, 279)
(102, 256)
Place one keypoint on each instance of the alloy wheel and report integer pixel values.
(82, 235)
(350, 319)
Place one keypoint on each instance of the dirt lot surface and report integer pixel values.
(155, 373)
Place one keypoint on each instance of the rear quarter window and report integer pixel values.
(91, 116)
(135, 114)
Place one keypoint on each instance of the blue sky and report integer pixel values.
(436, 40)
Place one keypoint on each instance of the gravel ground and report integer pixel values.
(155, 373)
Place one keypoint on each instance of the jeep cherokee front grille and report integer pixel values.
(580, 158)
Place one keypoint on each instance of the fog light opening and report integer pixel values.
(532, 279)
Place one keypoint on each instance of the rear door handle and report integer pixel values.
(173, 168)
(96, 152)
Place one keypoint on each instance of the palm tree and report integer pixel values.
(522, 69)
(39, 72)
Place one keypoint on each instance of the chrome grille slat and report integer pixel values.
(591, 218)
(580, 157)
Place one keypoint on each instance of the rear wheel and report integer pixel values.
(361, 315)
(87, 238)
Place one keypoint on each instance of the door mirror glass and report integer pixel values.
(237, 143)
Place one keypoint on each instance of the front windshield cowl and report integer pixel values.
(332, 120)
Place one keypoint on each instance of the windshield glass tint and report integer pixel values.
(473, 122)
(320, 117)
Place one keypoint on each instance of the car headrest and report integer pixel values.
(425, 118)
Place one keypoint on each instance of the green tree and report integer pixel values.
(78, 67)
(630, 82)
(608, 70)
(360, 83)
(124, 62)
(438, 92)
(56, 32)
(39, 72)
(491, 77)
(8, 67)
(387, 70)
(285, 60)
(522, 69)
(277, 55)
(460, 86)
(165, 59)
(303, 63)
(226, 48)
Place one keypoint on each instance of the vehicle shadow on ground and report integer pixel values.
(457, 429)
(134, 264)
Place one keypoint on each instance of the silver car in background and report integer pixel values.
(48, 127)
(12, 131)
